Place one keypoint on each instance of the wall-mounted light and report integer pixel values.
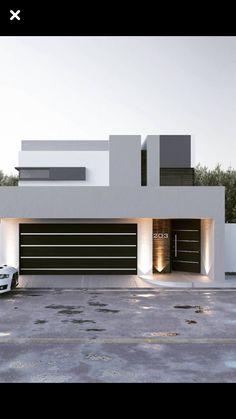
(160, 265)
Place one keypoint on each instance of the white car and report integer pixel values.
(8, 278)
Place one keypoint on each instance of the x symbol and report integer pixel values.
(15, 15)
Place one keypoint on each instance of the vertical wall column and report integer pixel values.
(1, 244)
(230, 246)
(207, 247)
(212, 249)
(144, 246)
(219, 247)
(125, 160)
(9, 243)
(153, 160)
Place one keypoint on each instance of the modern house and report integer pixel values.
(111, 207)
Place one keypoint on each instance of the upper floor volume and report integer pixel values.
(123, 160)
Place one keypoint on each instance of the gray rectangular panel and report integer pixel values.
(67, 173)
(175, 151)
(52, 173)
(29, 174)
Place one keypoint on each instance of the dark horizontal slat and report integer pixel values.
(74, 272)
(81, 240)
(188, 246)
(78, 251)
(190, 267)
(176, 176)
(78, 263)
(195, 257)
(186, 235)
(186, 224)
(78, 228)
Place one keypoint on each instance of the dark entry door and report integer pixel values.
(59, 249)
(186, 245)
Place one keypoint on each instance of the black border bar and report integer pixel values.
(115, 19)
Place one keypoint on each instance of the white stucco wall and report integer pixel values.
(96, 163)
(230, 247)
(144, 246)
(1, 243)
(9, 242)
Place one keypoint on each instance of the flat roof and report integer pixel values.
(67, 145)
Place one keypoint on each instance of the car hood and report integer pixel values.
(7, 269)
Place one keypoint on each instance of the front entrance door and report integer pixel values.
(186, 245)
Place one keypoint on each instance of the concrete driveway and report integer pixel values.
(139, 335)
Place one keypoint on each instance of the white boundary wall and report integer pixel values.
(230, 247)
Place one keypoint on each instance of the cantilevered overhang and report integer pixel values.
(111, 202)
(51, 173)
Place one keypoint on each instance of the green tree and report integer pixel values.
(8, 180)
(219, 177)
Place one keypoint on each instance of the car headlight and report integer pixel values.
(4, 276)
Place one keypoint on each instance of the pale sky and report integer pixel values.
(86, 88)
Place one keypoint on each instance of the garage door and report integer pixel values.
(78, 249)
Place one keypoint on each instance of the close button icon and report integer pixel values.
(15, 15)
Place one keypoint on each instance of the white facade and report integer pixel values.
(130, 191)
(96, 164)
